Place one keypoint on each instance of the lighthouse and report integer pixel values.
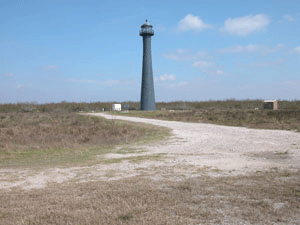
(147, 90)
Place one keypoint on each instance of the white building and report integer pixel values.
(116, 107)
(271, 104)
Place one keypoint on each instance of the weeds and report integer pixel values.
(282, 153)
(263, 119)
(262, 198)
(228, 112)
(230, 104)
(135, 159)
(30, 138)
(126, 217)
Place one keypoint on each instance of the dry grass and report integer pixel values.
(262, 198)
(176, 105)
(61, 138)
(264, 119)
(226, 112)
(29, 139)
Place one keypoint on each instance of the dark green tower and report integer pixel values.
(147, 93)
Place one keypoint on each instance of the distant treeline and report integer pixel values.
(177, 105)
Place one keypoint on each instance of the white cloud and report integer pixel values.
(269, 63)
(203, 64)
(9, 75)
(48, 67)
(108, 83)
(290, 83)
(265, 63)
(159, 28)
(185, 55)
(210, 68)
(82, 81)
(190, 22)
(180, 84)
(200, 59)
(297, 50)
(20, 87)
(248, 87)
(219, 72)
(111, 83)
(51, 67)
(240, 49)
(202, 55)
(268, 50)
(262, 49)
(289, 18)
(182, 51)
(165, 77)
(179, 55)
(127, 82)
(243, 26)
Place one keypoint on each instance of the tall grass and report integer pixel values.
(176, 105)
(32, 136)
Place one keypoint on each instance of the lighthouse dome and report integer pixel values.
(147, 24)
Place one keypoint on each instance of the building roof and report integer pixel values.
(270, 100)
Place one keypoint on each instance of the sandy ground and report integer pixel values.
(194, 149)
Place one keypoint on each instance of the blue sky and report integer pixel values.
(88, 51)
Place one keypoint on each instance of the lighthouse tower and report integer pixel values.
(147, 92)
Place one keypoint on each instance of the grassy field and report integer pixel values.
(284, 119)
(177, 105)
(262, 198)
(51, 135)
(50, 138)
(247, 113)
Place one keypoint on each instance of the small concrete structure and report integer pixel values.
(116, 107)
(271, 104)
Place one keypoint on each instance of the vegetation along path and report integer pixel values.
(192, 150)
(201, 174)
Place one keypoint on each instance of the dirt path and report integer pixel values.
(193, 150)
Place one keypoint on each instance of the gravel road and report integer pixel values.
(193, 150)
(225, 148)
